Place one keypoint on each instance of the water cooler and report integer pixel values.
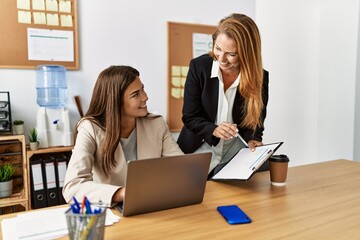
(52, 121)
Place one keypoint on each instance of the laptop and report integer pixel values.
(165, 182)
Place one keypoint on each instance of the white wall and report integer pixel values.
(120, 32)
(310, 49)
(357, 105)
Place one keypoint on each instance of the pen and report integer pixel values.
(97, 211)
(76, 206)
(83, 205)
(238, 135)
(76, 202)
(89, 227)
(88, 206)
(74, 209)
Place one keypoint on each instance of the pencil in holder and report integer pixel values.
(83, 226)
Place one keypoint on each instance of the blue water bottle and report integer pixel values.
(51, 86)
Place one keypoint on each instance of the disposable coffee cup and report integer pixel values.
(278, 169)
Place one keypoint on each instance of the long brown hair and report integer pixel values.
(243, 30)
(105, 108)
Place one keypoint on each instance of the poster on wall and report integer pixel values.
(50, 45)
(202, 44)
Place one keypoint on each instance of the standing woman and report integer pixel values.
(116, 128)
(226, 92)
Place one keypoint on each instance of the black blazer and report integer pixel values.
(200, 107)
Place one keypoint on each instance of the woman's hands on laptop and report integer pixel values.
(119, 195)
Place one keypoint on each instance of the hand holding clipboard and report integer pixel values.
(246, 162)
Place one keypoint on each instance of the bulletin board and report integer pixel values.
(185, 41)
(35, 32)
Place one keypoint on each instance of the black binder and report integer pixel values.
(60, 166)
(49, 172)
(38, 197)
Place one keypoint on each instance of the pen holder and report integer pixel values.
(86, 226)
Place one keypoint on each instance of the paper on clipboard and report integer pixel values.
(246, 162)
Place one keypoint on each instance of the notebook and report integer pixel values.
(164, 183)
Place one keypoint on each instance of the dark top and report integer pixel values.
(200, 107)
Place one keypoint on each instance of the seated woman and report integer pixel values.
(116, 128)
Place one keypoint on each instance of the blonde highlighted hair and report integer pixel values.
(243, 30)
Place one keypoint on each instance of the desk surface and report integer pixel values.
(319, 201)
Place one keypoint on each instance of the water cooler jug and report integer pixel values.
(52, 122)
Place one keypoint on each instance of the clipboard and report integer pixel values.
(245, 162)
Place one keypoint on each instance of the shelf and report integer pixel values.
(15, 199)
(49, 150)
(40, 151)
(10, 154)
(13, 151)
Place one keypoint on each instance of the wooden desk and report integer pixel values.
(319, 201)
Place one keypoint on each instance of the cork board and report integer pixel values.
(185, 41)
(35, 32)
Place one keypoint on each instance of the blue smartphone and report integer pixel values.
(233, 214)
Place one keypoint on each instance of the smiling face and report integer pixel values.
(134, 104)
(226, 53)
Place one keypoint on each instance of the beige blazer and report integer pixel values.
(84, 176)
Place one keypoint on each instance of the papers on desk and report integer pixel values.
(245, 162)
(43, 224)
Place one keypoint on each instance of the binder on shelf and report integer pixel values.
(38, 195)
(49, 172)
(60, 166)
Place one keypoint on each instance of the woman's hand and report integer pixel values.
(226, 130)
(253, 144)
(119, 195)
